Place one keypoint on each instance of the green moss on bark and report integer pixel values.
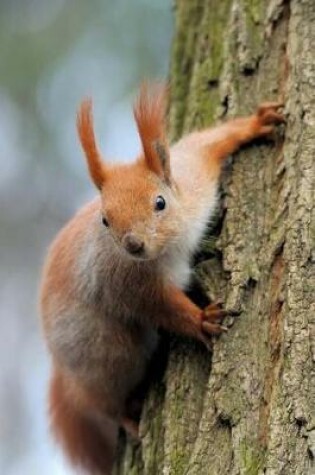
(252, 459)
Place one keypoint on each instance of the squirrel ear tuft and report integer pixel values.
(149, 113)
(85, 129)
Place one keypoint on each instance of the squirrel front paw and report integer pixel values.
(211, 320)
(212, 317)
(267, 116)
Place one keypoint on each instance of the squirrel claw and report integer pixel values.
(267, 116)
(215, 313)
(213, 328)
(209, 329)
(267, 106)
(212, 317)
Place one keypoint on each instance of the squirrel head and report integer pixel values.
(140, 206)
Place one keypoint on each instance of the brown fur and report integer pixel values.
(101, 306)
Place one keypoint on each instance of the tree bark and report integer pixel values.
(249, 407)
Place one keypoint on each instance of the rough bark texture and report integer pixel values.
(249, 407)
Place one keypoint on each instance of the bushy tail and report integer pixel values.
(86, 444)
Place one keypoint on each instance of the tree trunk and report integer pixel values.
(249, 407)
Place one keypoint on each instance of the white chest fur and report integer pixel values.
(177, 261)
(176, 267)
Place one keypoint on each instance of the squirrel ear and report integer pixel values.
(85, 129)
(149, 113)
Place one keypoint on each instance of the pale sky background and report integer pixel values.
(52, 54)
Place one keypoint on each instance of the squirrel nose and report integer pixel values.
(133, 244)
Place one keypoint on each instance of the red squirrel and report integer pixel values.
(117, 272)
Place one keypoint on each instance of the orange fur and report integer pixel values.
(149, 113)
(87, 444)
(86, 133)
(101, 305)
(219, 142)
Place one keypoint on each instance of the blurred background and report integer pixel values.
(52, 54)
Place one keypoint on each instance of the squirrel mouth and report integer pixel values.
(137, 255)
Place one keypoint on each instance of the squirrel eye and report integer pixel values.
(105, 222)
(160, 203)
